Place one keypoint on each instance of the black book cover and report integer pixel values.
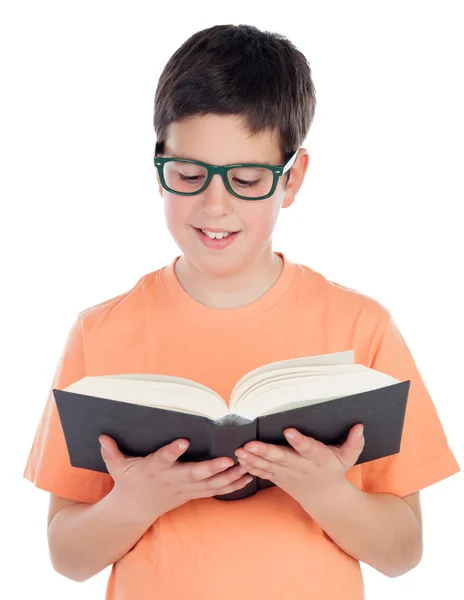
(141, 430)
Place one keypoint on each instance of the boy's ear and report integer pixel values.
(297, 175)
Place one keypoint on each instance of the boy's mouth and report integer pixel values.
(218, 239)
(217, 235)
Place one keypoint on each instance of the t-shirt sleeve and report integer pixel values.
(48, 466)
(425, 457)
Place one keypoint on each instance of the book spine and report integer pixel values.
(223, 441)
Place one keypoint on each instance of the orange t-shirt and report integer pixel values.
(265, 546)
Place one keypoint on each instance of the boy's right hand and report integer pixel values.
(157, 483)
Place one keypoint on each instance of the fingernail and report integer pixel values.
(290, 435)
(360, 432)
(101, 443)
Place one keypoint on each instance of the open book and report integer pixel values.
(321, 396)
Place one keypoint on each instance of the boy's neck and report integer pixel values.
(230, 292)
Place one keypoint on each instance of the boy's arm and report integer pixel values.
(382, 530)
(84, 538)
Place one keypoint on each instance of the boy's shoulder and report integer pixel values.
(339, 299)
(123, 307)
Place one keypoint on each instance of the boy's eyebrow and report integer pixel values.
(248, 162)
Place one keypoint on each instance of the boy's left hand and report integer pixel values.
(307, 467)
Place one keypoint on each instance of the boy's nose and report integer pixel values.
(216, 198)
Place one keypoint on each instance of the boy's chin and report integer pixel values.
(219, 266)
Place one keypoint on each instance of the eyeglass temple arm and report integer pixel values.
(290, 162)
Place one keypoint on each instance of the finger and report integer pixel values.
(167, 455)
(353, 446)
(262, 468)
(304, 445)
(112, 456)
(271, 473)
(276, 454)
(224, 479)
(208, 468)
(219, 487)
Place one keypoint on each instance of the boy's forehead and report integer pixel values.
(221, 139)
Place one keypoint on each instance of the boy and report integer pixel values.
(235, 95)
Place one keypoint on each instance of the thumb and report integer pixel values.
(113, 457)
(353, 446)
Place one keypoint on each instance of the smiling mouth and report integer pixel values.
(223, 231)
(218, 243)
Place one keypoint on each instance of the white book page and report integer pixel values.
(267, 399)
(198, 400)
(154, 377)
(274, 377)
(336, 358)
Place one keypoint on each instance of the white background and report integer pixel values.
(380, 210)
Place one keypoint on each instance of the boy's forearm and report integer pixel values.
(84, 539)
(378, 529)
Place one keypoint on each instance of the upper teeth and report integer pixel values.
(216, 235)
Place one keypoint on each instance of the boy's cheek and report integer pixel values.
(176, 213)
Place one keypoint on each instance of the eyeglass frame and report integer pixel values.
(277, 171)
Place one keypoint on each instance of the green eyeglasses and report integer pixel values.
(245, 181)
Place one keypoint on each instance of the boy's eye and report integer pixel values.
(248, 177)
(184, 177)
(244, 183)
(191, 178)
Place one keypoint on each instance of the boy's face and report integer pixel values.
(223, 140)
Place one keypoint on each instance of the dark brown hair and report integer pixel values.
(238, 69)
